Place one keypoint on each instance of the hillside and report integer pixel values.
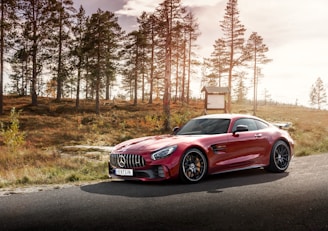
(50, 126)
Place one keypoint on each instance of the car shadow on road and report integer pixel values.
(212, 184)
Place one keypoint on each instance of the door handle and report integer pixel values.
(258, 135)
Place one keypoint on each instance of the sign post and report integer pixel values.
(215, 98)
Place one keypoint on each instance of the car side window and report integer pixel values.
(205, 126)
(216, 126)
(250, 123)
(261, 125)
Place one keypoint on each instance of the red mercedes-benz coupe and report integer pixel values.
(205, 145)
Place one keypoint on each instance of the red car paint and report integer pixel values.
(227, 151)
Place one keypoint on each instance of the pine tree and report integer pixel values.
(36, 31)
(234, 40)
(102, 42)
(241, 89)
(168, 14)
(318, 94)
(192, 31)
(146, 53)
(152, 44)
(77, 50)
(61, 21)
(7, 22)
(178, 60)
(19, 74)
(219, 60)
(136, 40)
(255, 52)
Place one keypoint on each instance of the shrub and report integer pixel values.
(72, 178)
(24, 180)
(12, 137)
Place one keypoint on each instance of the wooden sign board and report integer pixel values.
(215, 102)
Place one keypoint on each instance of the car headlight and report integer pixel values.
(162, 153)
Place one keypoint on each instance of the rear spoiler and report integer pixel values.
(282, 125)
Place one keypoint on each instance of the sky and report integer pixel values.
(293, 30)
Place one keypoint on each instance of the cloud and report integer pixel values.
(204, 10)
(136, 7)
(92, 6)
(203, 3)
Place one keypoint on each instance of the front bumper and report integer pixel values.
(154, 173)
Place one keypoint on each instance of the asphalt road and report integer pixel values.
(248, 200)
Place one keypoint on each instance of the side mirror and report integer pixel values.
(240, 128)
(175, 130)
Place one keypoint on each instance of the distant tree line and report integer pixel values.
(58, 51)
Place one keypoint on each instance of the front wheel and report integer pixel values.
(279, 157)
(193, 166)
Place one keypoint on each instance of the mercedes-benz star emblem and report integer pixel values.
(121, 161)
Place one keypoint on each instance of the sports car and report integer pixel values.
(205, 145)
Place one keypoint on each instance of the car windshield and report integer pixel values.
(205, 126)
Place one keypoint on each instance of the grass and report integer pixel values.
(47, 128)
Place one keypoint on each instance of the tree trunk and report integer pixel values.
(34, 68)
(77, 101)
(136, 77)
(255, 84)
(152, 67)
(107, 87)
(97, 96)
(59, 67)
(167, 78)
(1, 57)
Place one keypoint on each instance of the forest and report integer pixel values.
(50, 49)
(78, 79)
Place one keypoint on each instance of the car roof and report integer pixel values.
(226, 116)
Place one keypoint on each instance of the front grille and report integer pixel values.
(127, 160)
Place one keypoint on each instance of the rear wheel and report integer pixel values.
(280, 157)
(193, 166)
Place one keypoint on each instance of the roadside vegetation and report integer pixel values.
(34, 139)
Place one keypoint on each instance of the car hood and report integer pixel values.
(152, 143)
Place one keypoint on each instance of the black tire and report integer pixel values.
(193, 166)
(279, 157)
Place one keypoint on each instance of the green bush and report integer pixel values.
(24, 180)
(72, 178)
(12, 136)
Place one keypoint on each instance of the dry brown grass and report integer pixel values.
(309, 128)
(50, 126)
